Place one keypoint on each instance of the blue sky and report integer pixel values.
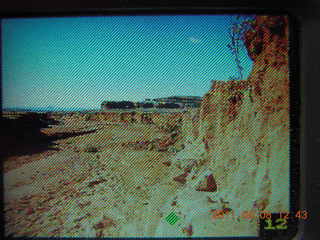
(82, 61)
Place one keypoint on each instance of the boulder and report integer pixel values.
(208, 184)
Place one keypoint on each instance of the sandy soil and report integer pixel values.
(89, 186)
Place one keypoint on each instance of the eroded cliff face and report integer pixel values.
(242, 141)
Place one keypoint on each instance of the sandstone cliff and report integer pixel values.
(241, 140)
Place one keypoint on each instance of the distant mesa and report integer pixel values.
(47, 109)
(117, 105)
(173, 102)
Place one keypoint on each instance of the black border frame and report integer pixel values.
(294, 82)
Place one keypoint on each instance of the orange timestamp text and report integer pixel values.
(222, 213)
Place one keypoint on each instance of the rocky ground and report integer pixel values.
(107, 179)
(90, 185)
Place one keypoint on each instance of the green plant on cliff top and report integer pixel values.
(239, 27)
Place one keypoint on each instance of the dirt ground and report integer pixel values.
(89, 185)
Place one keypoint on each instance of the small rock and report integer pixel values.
(188, 230)
(42, 209)
(216, 213)
(106, 222)
(181, 178)
(208, 185)
(82, 205)
(168, 163)
(29, 211)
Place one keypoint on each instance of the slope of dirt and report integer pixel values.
(242, 143)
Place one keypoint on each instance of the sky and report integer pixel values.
(72, 62)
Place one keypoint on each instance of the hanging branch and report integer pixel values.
(238, 28)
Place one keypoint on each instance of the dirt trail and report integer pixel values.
(91, 187)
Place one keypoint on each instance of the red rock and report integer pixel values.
(41, 209)
(167, 163)
(98, 225)
(209, 185)
(216, 214)
(29, 211)
(99, 234)
(188, 230)
(181, 178)
(106, 222)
